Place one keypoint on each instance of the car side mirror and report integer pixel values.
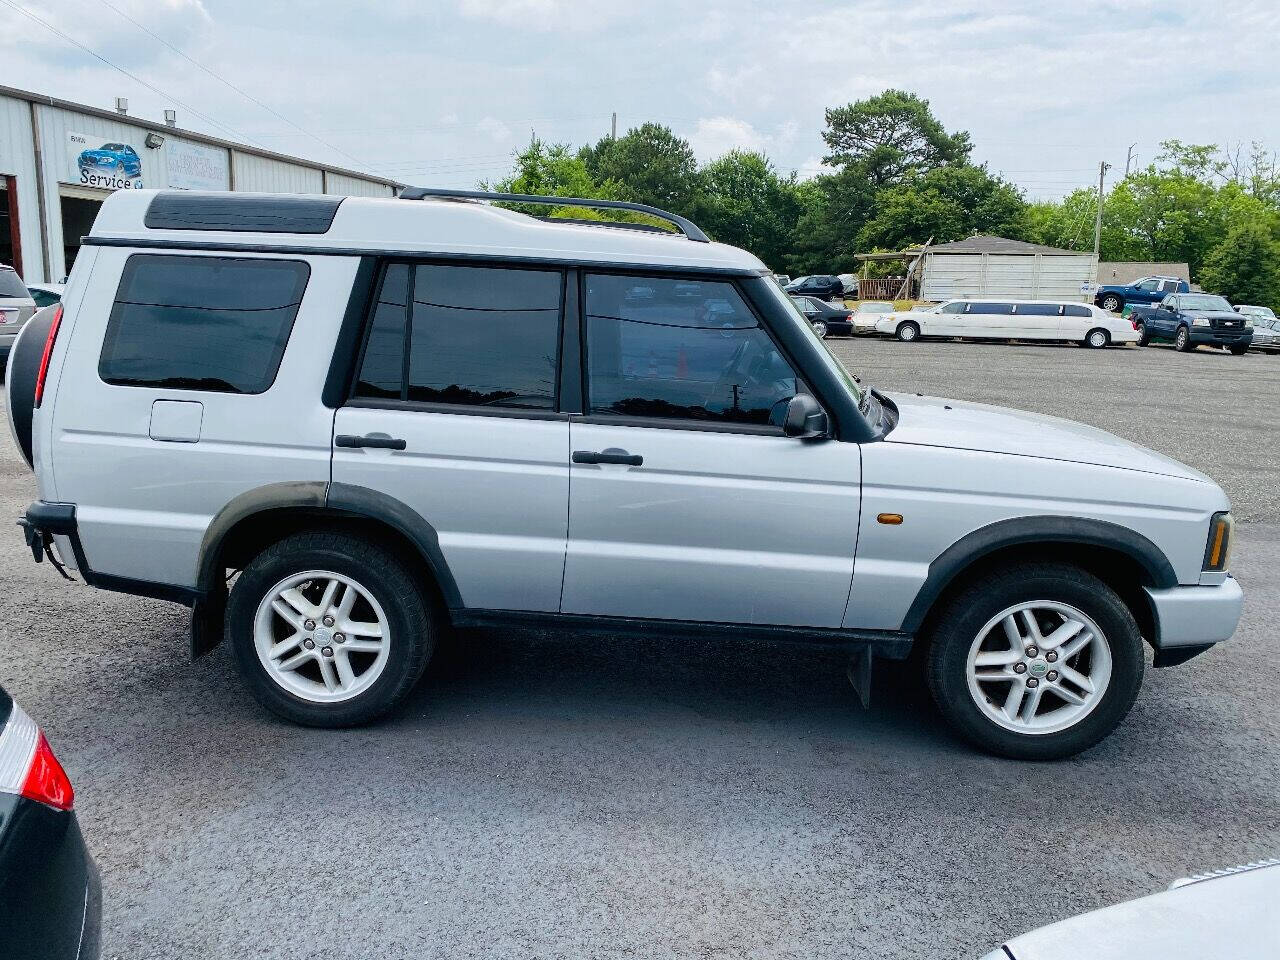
(805, 419)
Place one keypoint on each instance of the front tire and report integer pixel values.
(328, 629)
(1112, 303)
(1036, 662)
(907, 331)
(1182, 341)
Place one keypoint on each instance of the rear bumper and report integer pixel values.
(1189, 620)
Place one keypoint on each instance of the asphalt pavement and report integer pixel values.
(544, 796)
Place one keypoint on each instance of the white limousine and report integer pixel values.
(1011, 320)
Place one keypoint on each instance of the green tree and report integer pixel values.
(890, 137)
(833, 209)
(650, 164)
(946, 203)
(745, 202)
(1245, 266)
(553, 170)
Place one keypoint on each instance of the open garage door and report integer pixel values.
(79, 208)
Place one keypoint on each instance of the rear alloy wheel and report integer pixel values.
(328, 630)
(1143, 339)
(1097, 338)
(907, 331)
(1112, 303)
(1182, 342)
(820, 329)
(1037, 662)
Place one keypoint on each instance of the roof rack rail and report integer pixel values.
(685, 226)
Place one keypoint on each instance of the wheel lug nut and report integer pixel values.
(1033, 682)
(309, 624)
(327, 651)
(1019, 668)
(328, 621)
(1051, 676)
(309, 643)
(1032, 651)
(1051, 656)
(339, 638)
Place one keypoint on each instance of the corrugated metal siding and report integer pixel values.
(18, 159)
(996, 275)
(344, 186)
(265, 175)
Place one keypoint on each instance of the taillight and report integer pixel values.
(48, 352)
(28, 766)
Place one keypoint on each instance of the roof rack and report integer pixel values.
(687, 227)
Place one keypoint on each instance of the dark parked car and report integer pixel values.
(825, 319)
(1192, 319)
(50, 904)
(1144, 291)
(820, 285)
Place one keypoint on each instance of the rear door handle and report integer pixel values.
(382, 443)
(611, 455)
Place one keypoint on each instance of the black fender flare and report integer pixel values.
(338, 500)
(1018, 531)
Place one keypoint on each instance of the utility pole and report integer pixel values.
(1128, 159)
(1103, 167)
(614, 134)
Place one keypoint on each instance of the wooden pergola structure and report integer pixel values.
(892, 288)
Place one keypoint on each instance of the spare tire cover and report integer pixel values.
(20, 377)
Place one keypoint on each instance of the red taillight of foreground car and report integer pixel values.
(28, 766)
(43, 372)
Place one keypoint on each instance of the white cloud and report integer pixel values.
(496, 130)
(716, 136)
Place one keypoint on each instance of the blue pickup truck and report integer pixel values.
(1192, 319)
(1148, 290)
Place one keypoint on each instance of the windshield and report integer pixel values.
(1203, 301)
(1264, 313)
(854, 387)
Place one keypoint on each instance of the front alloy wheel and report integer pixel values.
(1036, 661)
(1182, 342)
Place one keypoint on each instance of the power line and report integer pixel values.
(227, 83)
(134, 77)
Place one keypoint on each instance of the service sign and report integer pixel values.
(193, 166)
(105, 164)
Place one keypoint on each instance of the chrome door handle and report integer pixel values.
(608, 456)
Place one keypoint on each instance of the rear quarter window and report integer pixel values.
(202, 323)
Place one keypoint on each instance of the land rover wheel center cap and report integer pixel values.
(1037, 669)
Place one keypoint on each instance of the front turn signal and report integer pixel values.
(1217, 552)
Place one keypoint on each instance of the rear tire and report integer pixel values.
(1112, 303)
(1182, 341)
(1097, 338)
(1143, 339)
(971, 627)
(908, 331)
(347, 676)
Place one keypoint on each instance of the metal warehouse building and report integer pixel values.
(60, 160)
(998, 267)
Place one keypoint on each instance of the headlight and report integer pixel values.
(1217, 551)
(1200, 321)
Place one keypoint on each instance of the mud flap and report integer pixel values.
(208, 620)
(859, 672)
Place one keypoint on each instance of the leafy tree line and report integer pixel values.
(899, 178)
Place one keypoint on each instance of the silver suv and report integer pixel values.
(373, 420)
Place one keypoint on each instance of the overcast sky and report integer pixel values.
(442, 91)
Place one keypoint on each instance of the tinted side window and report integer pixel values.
(1076, 310)
(201, 323)
(695, 355)
(1039, 309)
(1000, 309)
(476, 336)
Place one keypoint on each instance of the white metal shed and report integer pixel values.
(998, 267)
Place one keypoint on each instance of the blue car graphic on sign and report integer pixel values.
(117, 158)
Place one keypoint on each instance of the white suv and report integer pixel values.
(375, 419)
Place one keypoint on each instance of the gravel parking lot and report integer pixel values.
(551, 797)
